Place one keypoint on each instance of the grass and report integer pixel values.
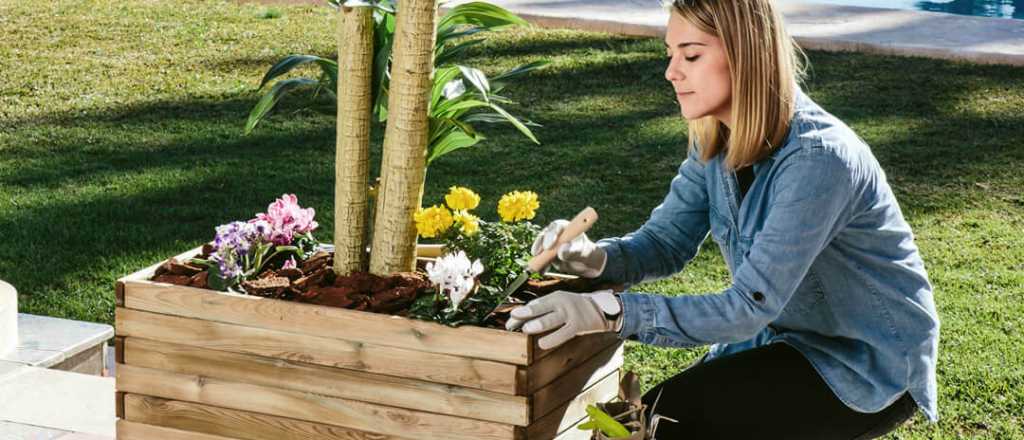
(121, 144)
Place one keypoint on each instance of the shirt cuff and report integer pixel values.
(637, 316)
(613, 264)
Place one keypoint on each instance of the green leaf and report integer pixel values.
(478, 79)
(605, 422)
(515, 72)
(441, 78)
(216, 281)
(448, 54)
(491, 118)
(481, 14)
(448, 33)
(454, 140)
(292, 61)
(450, 108)
(270, 99)
(515, 122)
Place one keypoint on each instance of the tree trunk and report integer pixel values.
(404, 160)
(352, 161)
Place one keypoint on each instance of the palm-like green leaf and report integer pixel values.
(270, 99)
(480, 14)
(442, 77)
(447, 54)
(478, 80)
(515, 122)
(498, 81)
(292, 61)
(454, 140)
(453, 108)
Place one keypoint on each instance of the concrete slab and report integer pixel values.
(18, 431)
(815, 26)
(45, 342)
(58, 400)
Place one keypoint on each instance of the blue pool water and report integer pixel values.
(981, 8)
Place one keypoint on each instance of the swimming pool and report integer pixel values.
(981, 8)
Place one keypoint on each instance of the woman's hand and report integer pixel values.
(571, 313)
(578, 257)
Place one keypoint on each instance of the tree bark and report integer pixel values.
(352, 157)
(404, 162)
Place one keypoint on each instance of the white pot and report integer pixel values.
(8, 318)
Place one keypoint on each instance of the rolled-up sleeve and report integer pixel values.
(670, 238)
(809, 204)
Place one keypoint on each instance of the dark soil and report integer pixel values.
(315, 282)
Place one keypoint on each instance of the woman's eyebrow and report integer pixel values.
(687, 43)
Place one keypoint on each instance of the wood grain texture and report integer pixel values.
(572, 382)
(439, 368)
(557, 361)
(334, 382)
(244, 425)
(307, 319)
(139, 431)
(570, 413)
(352, 414)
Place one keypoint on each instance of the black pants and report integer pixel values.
(770, 392)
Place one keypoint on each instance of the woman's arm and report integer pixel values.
(811, 199)
(669, 239)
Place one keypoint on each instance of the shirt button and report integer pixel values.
(758, 296)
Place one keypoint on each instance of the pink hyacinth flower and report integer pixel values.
(287, 219)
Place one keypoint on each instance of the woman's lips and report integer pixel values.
(684, 93)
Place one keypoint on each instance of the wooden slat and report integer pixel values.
(335, 382)
(574, 381)
(119, 404)
(307, 319)
(304, 406)
(572, 433)
(245, 425)
(440, 368)
(565, 357)
(139, 431)
(119, 349)
(572, 412)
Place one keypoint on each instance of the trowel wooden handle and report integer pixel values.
(579, 224)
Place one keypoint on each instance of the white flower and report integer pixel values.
(455, 275)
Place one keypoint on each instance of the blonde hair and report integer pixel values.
(766, 65)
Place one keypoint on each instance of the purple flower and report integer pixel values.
(228, 263)
(287, 219)
(236, 236)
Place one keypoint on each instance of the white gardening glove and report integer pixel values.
(575, 313)
(578, 257)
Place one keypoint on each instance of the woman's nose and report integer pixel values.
(672, 72)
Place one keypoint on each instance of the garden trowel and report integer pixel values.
(579, 224)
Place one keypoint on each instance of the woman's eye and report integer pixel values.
(692, 59)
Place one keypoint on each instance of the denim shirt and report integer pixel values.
(820, 256)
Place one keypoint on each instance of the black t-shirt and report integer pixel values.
(745, 177)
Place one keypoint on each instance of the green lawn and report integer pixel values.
(121, 144)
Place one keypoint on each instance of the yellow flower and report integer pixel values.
(461, 198)
(432, 221)
(470, 223)
(518, 205)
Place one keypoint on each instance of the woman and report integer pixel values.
(829, 329)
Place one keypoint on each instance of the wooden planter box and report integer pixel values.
(200, 364)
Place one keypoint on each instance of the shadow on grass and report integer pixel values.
(99, 194)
